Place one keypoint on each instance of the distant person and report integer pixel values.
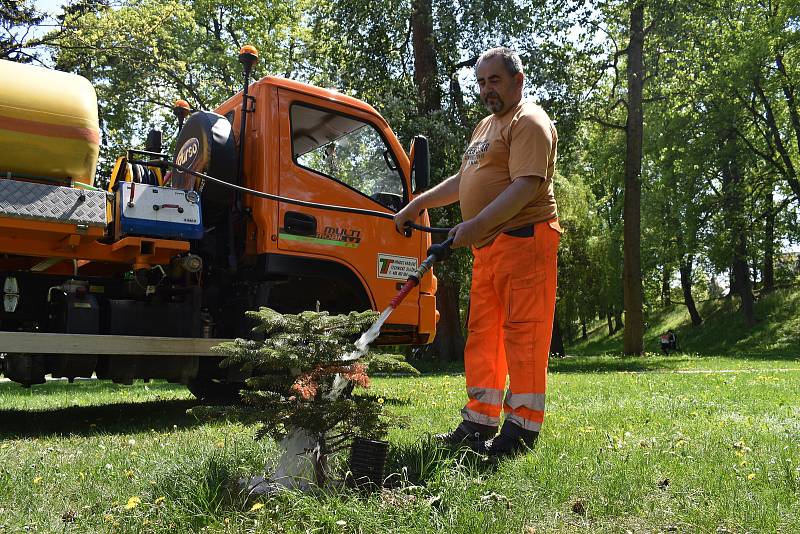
(665, 342)
(673, 340)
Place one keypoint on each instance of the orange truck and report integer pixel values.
(141, 278)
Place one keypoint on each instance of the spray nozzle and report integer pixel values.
(441, 251)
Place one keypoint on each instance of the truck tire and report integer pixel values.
(206, 144)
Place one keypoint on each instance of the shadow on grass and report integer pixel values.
(118, 418)
(615, 364)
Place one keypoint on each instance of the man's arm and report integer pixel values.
(443, 194)
(501, 209)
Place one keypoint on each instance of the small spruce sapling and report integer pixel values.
(303, 370)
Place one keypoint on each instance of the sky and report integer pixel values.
(52, 7)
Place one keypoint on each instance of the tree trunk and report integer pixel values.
(731, 284)
(666, 274)
(557, 342)
(734, 220)
(584, 336)
(425, 70)
(610, 324)
(791, 103)
(789, 172)
(686, 285)
(634, 129)
(448, 345)
(768, 274)
(449, 342)
(741, 276)
(618, 324)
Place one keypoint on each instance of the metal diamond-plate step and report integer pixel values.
(52, 203)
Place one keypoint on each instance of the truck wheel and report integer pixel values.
(215, 390)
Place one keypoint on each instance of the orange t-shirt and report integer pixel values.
(522, 142)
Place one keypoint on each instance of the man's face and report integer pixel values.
(499, 90)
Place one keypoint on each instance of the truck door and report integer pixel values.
(338, 154)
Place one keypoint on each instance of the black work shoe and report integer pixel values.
(511, 440)
(467, 433)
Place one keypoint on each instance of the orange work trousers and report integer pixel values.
(512, 301)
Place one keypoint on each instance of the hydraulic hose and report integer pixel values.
(438, 252)
(296, 202)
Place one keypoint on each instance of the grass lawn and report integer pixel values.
(653, 444)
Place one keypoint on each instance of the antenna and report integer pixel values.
(181, 110)
(248, 56)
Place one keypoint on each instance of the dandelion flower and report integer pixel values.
(37, 480)
(133, 502)
(257, 506)
(159, 500)
(751, 476)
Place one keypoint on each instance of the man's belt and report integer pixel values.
(523, 231)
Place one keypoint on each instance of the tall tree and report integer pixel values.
(449, 342)
(634, 127)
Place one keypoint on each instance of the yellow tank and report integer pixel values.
(48, 123)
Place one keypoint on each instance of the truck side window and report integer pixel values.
(348, 150)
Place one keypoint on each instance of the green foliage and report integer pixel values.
(391, 364)
(303, 368)
(18, 18)
(142, 55)
(300, 343)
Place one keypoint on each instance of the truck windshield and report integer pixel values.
(349, 151)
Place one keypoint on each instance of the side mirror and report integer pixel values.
(154, 141)
(420, 164)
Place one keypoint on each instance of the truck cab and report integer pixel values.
(321, 146)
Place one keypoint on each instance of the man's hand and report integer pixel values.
(409, 213)
(466, 233)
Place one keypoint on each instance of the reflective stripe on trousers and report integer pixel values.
(491, 399)
(512, 301)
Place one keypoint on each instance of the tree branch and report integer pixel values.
(607, 124)
(471, 62)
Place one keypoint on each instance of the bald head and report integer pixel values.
(509, 58)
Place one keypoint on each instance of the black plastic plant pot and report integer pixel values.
(367, 462)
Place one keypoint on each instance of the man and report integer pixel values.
(505, 191)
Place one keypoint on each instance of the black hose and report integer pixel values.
(304, 203)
